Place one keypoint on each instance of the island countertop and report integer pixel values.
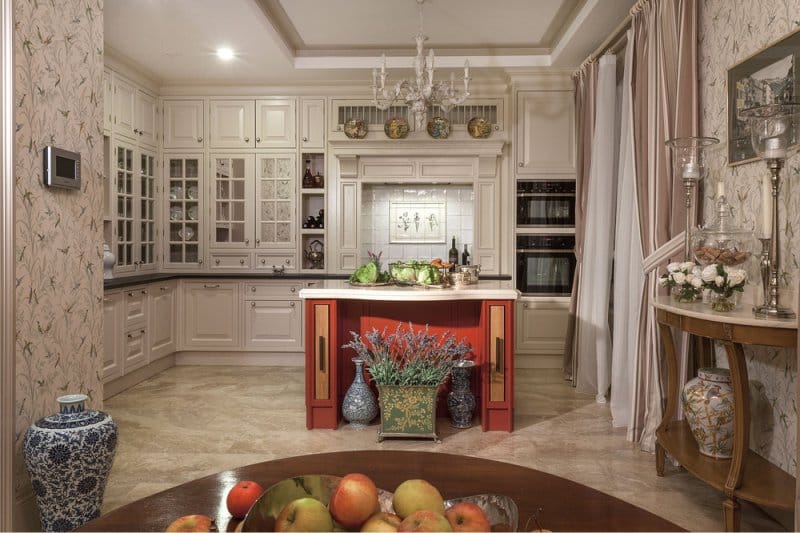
(341, 289)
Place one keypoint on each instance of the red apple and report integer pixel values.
(193, 522)
(304, 514)
(424, 521)
(354, 499)
(466, 516)
(241, 497)
(386, 522)
(416, 495)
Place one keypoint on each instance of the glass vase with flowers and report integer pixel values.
(684, 281)
(726, 285)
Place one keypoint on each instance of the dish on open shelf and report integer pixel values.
(175, 212)
(192, 213)
(176, 192)
(501, 510)
(186, 234)
(191, 192)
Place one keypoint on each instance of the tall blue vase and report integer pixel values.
(68, 456)
(460, 399)
(359, 406)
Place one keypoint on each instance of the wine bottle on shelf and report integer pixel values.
(308, 179)
(452, 256)
(465, 256)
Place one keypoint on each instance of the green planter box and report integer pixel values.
(408, 411)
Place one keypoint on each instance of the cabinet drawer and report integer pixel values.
(273, 324)
(230, 261)
(135, 306)
(135, 349)
(281, 262)
(272, 291)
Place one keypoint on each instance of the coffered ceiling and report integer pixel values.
(300, 41)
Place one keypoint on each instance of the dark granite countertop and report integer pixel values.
(142, 279)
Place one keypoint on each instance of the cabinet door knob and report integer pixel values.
(141, 331)
(305, 139)
(130, 336)
(241, 261)
(214, 286)
(216, 261)
(247, 241)
(135, 130)
(263, 261)
(130, 294)
(291, 304)
(258, 139)
(247, 139)
(164, 288)
(141, 132)
(200, 262)
(293, 289)
(258, 241)
(253, 289)
(199, 139)
(288, 261)
(144, 291)
(521, 164)
(252, 304)
(525, 305)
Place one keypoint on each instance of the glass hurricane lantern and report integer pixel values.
(773, 129)
(689, 162)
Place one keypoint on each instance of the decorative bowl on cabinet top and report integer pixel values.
(355, 128)
(439, 128)
(479, 128)
(396, 128)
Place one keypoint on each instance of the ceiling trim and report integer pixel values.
(347, 62)
(283, 31)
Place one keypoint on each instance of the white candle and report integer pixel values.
(374, 77)
(720, 187)
(466, 68)
(775, 148)
(691, 171)
(383, 64)
(766, 207)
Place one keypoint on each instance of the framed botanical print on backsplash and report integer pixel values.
(767, 77)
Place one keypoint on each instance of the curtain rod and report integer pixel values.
(612, 43)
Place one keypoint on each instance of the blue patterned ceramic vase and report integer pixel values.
(359, 406)
(461, 400)
(708, 406)
(69, 456)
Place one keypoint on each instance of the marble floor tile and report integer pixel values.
(192, 421)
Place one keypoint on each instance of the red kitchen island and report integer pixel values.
(483, 313)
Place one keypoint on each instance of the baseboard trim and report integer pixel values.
(240, 358)
(115, 386)
(538, 361)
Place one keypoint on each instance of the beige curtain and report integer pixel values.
(665, 105)
(585, 80)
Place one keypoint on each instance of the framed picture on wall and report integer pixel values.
(768, 77)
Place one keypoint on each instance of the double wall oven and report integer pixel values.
(545, 251)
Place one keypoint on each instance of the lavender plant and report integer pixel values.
(408, 357)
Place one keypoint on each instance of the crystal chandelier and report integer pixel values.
(422, 91)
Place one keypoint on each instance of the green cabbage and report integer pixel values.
(367, 273)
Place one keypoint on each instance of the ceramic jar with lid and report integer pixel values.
(708, 406)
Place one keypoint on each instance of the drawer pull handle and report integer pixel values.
(525, 305)
(521, 165)
(288, 261)
(199, 139)
(241, 261)
(258, 241)
(247, 241)
(252, 304)
(263, 261)
(144, 292)
(293, 289)
(200, 262)
(141, 331)
(291, 304)
(247, 139)
(258, 139)
(321, 343)
(252, 289)
(499, 348)
(164, 288)
(207, 286)
(216, 261)
(130, 336)
(305, 139)
(130, 294)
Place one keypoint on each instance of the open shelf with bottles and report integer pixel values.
(312, 171)
(311, 210)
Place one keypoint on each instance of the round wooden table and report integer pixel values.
(565, 505)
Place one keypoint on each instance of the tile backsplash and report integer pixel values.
(376, 222)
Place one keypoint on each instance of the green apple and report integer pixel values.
(416, 495)
(386, 522)
(304, 514)
(425, 521)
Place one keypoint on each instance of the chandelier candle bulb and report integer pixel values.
(720, 187)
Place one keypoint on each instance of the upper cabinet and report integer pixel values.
(134, 112)
(266, 123)
(545, 139)
(312, 124)
(184, 124)
(108, 102)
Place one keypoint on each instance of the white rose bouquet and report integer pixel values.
(685, 281)
(723, 282)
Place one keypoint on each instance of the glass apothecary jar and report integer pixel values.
(723, 241)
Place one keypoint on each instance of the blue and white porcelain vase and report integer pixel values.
(359, 406)
(461, 400)
(68, 456)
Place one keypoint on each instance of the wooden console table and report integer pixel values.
(747, 475)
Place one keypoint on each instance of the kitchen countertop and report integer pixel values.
(342, 290)
(127, 281)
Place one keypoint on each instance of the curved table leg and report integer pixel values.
(731, 516)
(660, 460)
(672, 392)
(741, 432)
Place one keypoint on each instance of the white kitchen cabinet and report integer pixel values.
(273, 325)
(545, 135)
(184, 211)
(113, 327)
(541, 326)
(232, 198)
(135, 350)
(136, 312)
(135, 112)
(275, 191)
(275, 123)
(312, 124)
(135, 186)
(184, 124)
(231, 123)
(211, 314)
(163, 315)
(108, 102)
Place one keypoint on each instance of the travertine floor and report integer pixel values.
(189, 422)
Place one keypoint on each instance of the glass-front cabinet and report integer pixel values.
(231, 201)
(184, 191)
(136, 184)
(275, 204)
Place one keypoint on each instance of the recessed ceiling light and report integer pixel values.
(225, 53)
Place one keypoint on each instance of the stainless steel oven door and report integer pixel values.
(545, 272)
(545, 210)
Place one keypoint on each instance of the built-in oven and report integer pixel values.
(546, 203)
(545, 264)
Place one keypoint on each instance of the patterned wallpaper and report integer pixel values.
(59, 285)
(731, 31)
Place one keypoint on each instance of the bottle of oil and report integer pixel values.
(465, 256)
(308, 179)
(452, 255)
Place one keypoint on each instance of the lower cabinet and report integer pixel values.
(541, 326)
(113, 325)
(211, 314)
(136, 349)
(163, 319)
(273, 325)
